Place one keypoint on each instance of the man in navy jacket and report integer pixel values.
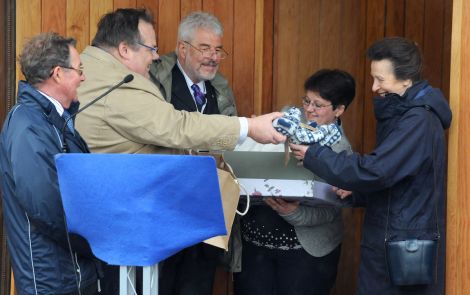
(44, 260)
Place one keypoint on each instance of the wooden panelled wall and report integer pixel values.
(78, 18)
(274, 46)
(458, 203)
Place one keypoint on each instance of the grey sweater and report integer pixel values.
(319, 230)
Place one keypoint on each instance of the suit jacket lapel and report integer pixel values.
(211, 96)
(181, 98)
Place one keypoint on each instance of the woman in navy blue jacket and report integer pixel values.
(401, 182)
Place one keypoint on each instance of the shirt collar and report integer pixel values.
(56, 103)
(189, 82)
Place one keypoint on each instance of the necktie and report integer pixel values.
(66, 116)
(198, 96)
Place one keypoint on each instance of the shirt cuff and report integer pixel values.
(243, 130)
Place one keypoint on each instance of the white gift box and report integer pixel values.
(262, 172)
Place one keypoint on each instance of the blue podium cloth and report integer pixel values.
(139, 209)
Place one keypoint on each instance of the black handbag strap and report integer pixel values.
(434, 190)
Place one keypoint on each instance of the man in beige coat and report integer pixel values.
(135, 118)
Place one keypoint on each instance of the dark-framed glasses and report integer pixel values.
(308, 102)
(208, 52)
(151, 48)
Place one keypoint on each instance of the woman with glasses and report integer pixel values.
(289, 248)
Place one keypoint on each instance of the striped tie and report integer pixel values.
(198, 96)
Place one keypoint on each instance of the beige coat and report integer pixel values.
(135, 118)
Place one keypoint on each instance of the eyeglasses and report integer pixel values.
(79, 71)
(307, 102)
(151, 48)
(207, 52)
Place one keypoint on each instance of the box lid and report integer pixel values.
(266, 165)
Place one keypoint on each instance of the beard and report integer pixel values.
(205, 71)
(207, 75)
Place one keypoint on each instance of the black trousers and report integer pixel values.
(285, 272)
(88, 290)
(190, 271)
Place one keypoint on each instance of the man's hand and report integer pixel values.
(261, 129)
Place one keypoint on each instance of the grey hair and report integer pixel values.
(198, 20)
(42, 54)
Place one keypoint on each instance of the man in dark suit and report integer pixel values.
(195, 61)
(189, 79)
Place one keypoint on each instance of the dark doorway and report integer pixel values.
(7, 98)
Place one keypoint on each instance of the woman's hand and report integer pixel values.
(341, 192)
(281, 206)
(298, 150)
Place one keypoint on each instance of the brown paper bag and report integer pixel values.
(230, 194)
